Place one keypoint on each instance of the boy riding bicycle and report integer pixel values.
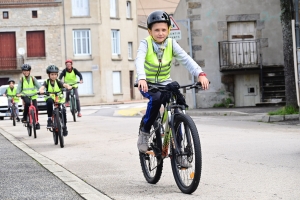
(69, 74)
(28, 85)
(153, 65)
(54, 85)
(11, 91)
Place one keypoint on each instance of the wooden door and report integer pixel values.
(8, 50)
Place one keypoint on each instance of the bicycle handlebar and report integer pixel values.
(160, 87)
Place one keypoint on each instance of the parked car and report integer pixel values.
(41, 103)
(4, 105)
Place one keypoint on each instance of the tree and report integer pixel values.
(290, 85)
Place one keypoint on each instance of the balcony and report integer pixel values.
(239, 55)
(11, 64)
(17, 3)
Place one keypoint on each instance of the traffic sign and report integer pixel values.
(175, 31)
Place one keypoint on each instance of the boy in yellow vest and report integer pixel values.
(69, 74)
(153, 65)
(54, 85)
(28, 85)
(11, 92)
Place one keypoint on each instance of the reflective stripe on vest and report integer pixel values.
(158, 71)
(70, 78)
(12, 93)
(55, 89)
(29, 88)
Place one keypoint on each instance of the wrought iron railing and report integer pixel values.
(11, 63)
(239, 54)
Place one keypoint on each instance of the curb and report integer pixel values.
(82, 188)
(279, 118)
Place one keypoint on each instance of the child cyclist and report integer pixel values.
(54, 85)
(11, 92)
(28, 85)
(153, 65)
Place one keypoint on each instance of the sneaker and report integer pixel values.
(79, 115)
(49, 123)
(65, 131)
(18, 119)
(37, 126)
(24, 120)
(183, 162)
(142, 142)
(67, 104)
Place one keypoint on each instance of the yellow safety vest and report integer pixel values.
(55, 89)
(12, 93)
(70, 78)
(158, 70)
(29, 88)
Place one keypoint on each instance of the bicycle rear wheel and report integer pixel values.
(13, 115)
(59, 130)
(32, 114)
(187, 177)
(73, 109)
(152, 165)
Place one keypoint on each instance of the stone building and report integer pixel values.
(239, 45)
(99, 36)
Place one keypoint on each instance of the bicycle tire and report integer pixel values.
(33, 122)
(59, 130)
(54, 132)
(151, 165)
(73, 111)
(29, 129)
(186, 134)
(13, 115)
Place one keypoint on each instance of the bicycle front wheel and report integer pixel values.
(73, 108)
(186, 165)
(29, 129)
(13, 115)
(32, 114)
(151, 164)
(59, 130)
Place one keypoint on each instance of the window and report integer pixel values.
(113, 8)
(80, 8)
(35, 43)
(5, 14)
(34, 14)
(117, 82)
(128, 9)
(82, 42)
(86, 88)
(129, 50)
(115, 42)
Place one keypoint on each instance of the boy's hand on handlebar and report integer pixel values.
(142, 85)
(18, 95)
(204, 82)
(81, 81)
(70, 87)
(41, 91)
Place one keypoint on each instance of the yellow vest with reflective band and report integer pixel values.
(29, 88)
(12, 93)
(55, 89)
(70, 78)
(158, 71)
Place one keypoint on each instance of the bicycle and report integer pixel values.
(58, 120)
(173, 135)
(13, 109)
(32, 118)
(73, 104)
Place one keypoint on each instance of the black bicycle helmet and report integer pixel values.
(26, 67)
(10, 80)
(52, 69)
(158, 16)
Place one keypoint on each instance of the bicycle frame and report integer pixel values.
(56, 112)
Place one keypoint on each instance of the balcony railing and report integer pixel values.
(239, 54)
(27, 1)
(11, 63)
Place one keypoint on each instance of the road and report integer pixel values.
(242, 157)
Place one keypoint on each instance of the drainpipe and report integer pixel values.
(64, 18)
